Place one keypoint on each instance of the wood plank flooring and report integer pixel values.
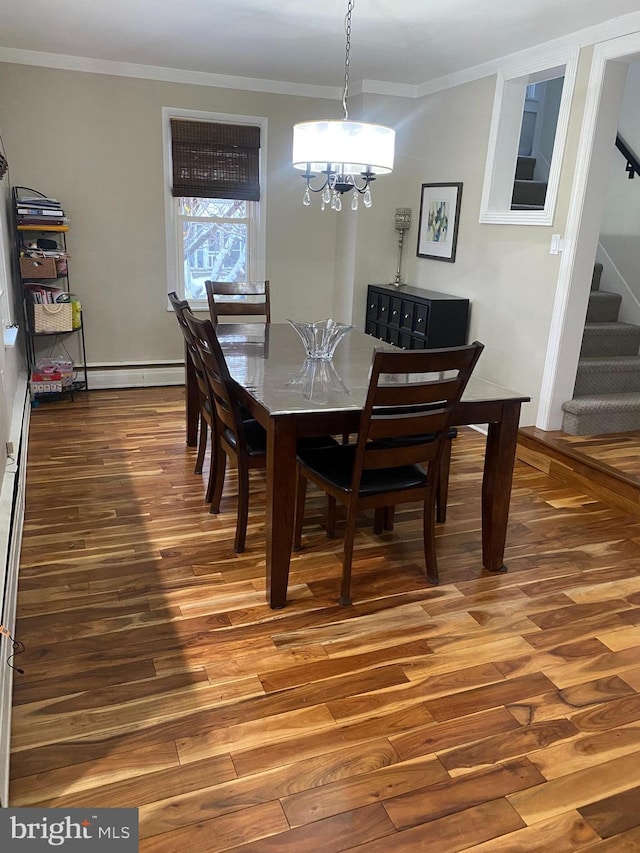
(489, 714)
(607, 467)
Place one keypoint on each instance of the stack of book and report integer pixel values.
(41, 213)
(45, 294)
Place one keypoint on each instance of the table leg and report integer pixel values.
(192, 400)
(496, 486)
(281, 493)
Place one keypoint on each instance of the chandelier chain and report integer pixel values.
(347, 28)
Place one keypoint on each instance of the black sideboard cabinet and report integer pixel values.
(412, 318)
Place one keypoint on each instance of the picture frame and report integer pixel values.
(439, 219)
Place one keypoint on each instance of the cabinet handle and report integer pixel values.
(373, 305)
(394, 313)
(382, 310)
(419, 319)
(406, 316)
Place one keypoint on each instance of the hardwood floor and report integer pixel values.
(490, 714)
(607, 467)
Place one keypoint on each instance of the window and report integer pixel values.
(523, 125)
(215, 241)
(214, 201)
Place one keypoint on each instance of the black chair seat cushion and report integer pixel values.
(256, 438)
(335, 464)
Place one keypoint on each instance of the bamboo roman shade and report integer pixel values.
(214, 160)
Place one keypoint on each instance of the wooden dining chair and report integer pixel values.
(240, 298)
(237, 434)
(207, 415)
(245, 441)
(404, 425)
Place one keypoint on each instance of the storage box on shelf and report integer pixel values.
(51, 319)
(38, 267)
(49, 309)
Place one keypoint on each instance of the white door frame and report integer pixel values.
(602, 111)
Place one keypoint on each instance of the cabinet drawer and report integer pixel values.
(383, 308)
(406, 320)
(38, 267)
(395, 311)
(420, 319)
(372, 306)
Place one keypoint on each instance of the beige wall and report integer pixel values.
(95, 142)
(506, 272)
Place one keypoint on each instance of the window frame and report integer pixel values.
(504, 135)
(256, 247)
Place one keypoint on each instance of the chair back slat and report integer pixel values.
(409, 425)
(241, 298)
(415, 393)
(403, 454)
(438, 361)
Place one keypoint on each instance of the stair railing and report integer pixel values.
(633, 164)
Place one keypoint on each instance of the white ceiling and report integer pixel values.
(298, 41)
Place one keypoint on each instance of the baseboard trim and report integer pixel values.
(134, 376)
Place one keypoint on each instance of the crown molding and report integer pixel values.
(379, 87)
(166, 75)
(545, 53)
(611, 29)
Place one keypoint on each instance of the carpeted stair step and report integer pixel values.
(525, 167)
(618, 375)
(601, 414)
(609, 339)
(529, 193)
(603, 306)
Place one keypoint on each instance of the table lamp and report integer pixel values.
(402, 223)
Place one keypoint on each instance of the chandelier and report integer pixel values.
(349, 154)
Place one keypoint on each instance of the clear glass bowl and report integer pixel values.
(320, 339)
(318, 379)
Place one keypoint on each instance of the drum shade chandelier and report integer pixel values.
(350, 154)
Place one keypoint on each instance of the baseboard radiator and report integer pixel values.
(12, 503)
(108, 376)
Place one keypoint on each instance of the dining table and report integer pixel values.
(294, 396)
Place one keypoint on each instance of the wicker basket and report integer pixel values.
(52, 318)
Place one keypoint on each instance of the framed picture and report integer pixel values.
(438, 225)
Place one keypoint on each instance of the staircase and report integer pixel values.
(527, 193)
(606, 396)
